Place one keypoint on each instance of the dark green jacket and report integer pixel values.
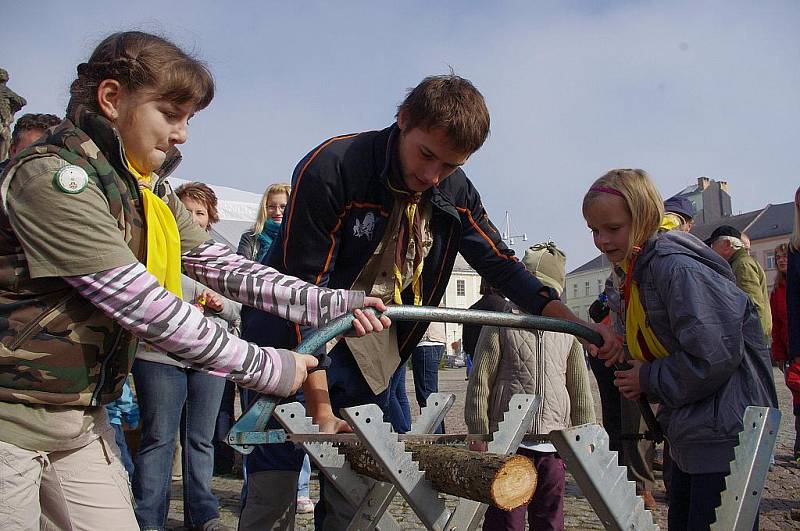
(751, 279)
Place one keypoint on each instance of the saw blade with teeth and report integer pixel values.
(338, 439)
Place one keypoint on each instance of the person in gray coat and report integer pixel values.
(695, 337)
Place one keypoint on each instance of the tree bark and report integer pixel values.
(504, 481)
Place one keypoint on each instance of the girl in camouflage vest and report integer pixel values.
(92, 241)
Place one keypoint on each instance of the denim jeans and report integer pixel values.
(425, 364)
(124, 454)
(399, 411)
(347, 387)
(173, 399)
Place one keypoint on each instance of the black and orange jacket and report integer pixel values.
(336, 217)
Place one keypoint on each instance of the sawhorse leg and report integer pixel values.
(381, 494)
(604, 483)
(744, 484)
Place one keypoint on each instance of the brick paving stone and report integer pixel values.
(780, 506)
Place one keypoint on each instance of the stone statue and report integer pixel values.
(10, 103)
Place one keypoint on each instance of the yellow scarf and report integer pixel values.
(670, 222)
(642, 342)
(163, 238)
(409, 233)
(412, 232)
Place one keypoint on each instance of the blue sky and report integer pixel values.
(681, 89)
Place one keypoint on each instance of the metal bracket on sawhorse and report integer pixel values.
(405, 474)
(744, 484)
(604, 483)
(370, 501)
(254, 420)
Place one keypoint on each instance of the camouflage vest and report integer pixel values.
(55, 346)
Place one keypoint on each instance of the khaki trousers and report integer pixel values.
(82, 489)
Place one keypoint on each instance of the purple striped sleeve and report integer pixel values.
(132, 296)
(263, 287)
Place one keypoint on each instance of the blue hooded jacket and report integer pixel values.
(719, 362)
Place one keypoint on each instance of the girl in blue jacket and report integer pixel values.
(694, 337)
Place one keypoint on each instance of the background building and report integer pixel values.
(710, 198)
(463, 290)
(584, 284)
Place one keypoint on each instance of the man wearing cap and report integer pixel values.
(726, 241)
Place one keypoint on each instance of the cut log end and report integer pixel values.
(514, 483)
(504, 481)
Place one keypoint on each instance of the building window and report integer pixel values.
(575, 291)
(769, 259)
(588, 288)
(461, 290)
(599, 286)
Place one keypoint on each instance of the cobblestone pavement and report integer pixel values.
(780, 502)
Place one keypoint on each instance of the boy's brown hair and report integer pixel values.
(200, 193)
(451, 103)
(139, 60)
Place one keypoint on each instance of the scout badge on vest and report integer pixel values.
(71, 179)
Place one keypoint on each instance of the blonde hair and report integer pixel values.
(795, 239)
(641, 197)
(263, 212)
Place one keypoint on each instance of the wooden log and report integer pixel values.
(504, 481)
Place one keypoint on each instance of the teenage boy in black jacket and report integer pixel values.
(387, 211)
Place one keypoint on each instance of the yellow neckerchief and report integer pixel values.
(410, 233)
(642, 342)
(163, 238)
(670, 222)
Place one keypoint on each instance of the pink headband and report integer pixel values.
(606, 190)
